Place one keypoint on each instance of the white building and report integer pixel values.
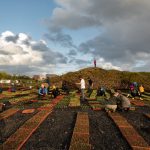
(5, 81)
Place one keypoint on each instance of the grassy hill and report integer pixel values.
(108, 78)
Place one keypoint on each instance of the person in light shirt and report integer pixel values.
(82, 86)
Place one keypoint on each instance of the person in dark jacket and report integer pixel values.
(55, 92)
(101, 91)
(90, 87)
(65, 87)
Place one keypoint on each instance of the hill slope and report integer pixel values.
(107, 78)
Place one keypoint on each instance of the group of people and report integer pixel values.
(118, 100)
(11, 88)
(136, 90)
(43, 91)
(53, 90)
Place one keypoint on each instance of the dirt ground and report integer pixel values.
(11, 124)
(139, 121)
(55, 133)
(104, 135)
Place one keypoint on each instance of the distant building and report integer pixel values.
(43, 77)
(50, 75)
(37, 77)
(5, 81)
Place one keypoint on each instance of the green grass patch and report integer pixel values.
(64, 102)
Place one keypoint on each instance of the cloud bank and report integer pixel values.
(124, 39)
(19, 53)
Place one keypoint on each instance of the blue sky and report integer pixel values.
(25, 16)
(57, 36)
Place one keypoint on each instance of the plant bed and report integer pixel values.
(93, 94)
(93, 102)
(123, 124)
(20, 139)
(34, 105)
(8, 113)
(82, 122)
(43, 108)
(74, 101)
(90, 99)
(137, 103)
(139, 148)
(80, 146)
(97, 109)
(82, 117)
(81, 129)
(64, 102)
(12, 123)
(82, 138)
(128, 131)
(139, 121)
(104, 134)
(133, 139)
(9, 145)
(54, 133)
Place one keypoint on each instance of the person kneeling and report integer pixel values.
(55, 91)
(123, 103)
(42, 91)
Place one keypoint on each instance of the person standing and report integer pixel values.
(90, 87)
(95, 63)
(82, 86)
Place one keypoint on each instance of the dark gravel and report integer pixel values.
(104, 135)
(55, 132)
(139, 121)
(10, 125)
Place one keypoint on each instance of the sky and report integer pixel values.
(58, 36)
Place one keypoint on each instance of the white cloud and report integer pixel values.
(106, 65)
(17, 53)
(21, 51)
